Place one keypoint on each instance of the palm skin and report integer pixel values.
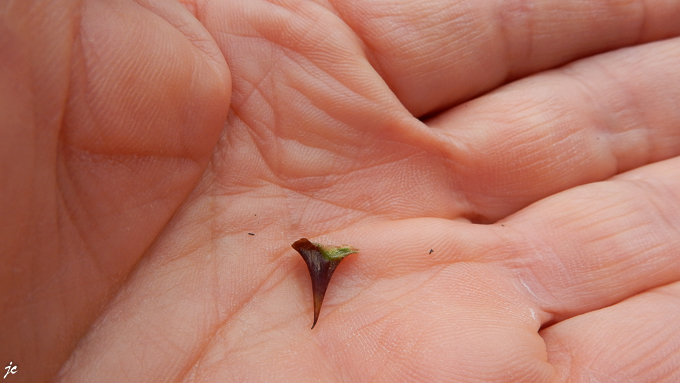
(144, 141)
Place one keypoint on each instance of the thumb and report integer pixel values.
(109, 113)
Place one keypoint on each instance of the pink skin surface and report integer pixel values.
(532, 145)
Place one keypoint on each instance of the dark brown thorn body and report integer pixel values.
(320, 268)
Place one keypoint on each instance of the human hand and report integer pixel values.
(546, 264)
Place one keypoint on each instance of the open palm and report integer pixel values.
(516, 222)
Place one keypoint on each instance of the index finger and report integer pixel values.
(434, 54)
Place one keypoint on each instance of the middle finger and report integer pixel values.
(579, 124)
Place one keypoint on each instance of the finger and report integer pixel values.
(637, 340)
(434, 54)
(595, 245)
(583, 123)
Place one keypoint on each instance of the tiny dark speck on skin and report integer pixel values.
(431, 251)
(251, 233)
